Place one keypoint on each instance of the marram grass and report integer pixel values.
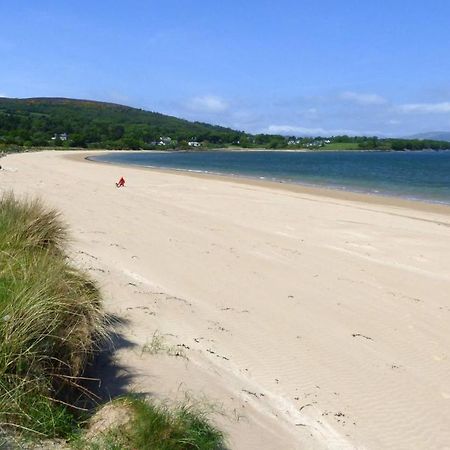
(50, 319)
(149, 426)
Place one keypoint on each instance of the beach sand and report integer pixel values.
(309, 319)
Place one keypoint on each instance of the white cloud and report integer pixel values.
(438, 108)
(304, 131)
(292, 129)
(363, 99)
(208, 104)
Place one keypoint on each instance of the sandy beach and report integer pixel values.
(308, 319)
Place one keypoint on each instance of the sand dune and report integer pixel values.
(310, 321)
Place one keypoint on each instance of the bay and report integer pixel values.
(415, 175)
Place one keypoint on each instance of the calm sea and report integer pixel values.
(414, 175)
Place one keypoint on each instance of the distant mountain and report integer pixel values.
(434, 135)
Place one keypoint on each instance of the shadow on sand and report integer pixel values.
(105, 378)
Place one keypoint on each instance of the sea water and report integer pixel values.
(418, 175)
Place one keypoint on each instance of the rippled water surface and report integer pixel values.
(414, 175)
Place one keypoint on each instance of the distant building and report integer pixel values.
(61, 137)
(194, 144)
(165, 140)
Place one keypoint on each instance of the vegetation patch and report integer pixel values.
(158, 345)
(50, 320)
(132, 423)
(68, 123)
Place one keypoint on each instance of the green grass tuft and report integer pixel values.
(50, 322)
(50, 319)
(157, 428)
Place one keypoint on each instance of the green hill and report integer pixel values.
(85, 123)
(63, 122)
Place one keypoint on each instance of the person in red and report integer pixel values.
(121, 182)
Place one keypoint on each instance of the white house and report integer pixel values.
(194, 144)
(61, 137)
(165, 140)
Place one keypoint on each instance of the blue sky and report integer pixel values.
(299, 67)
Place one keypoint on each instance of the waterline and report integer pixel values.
(422, 176)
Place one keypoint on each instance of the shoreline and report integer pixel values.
(328, 192)
(306, 319)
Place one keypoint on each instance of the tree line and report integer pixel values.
(59, 122)
(88, 124)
